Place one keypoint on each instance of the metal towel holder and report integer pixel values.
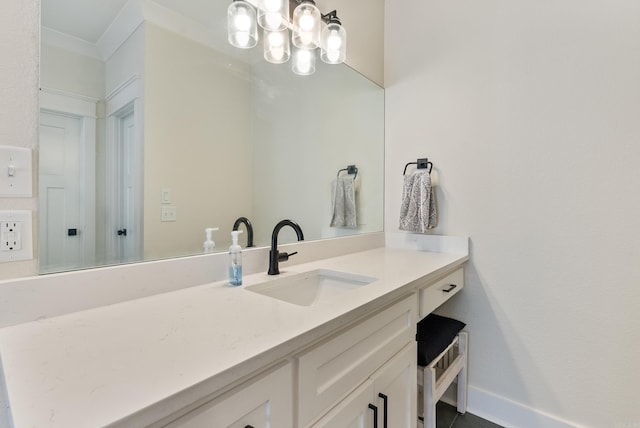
(421, 163)
(351, 169)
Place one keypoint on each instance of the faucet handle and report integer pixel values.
(283, 257)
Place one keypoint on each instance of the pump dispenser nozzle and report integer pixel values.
(234, 236)
(208, 244)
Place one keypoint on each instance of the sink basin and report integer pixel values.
(308, 288)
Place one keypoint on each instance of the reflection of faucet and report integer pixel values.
(247, 223)
(274, 255)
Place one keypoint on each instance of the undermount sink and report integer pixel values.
(307, 288)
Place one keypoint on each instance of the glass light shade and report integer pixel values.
(304, 61)
(306, 26)
(333, 42)
(241, 25)
(273, 15)
(276, 46)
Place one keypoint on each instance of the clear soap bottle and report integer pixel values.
(208, 245)
(235, 260)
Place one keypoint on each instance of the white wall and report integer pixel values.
(364, 22)
(315, 126)
(529, 111)
(204, 160)
(71, 72)
(19, 45)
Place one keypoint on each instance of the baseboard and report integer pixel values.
(505, 412)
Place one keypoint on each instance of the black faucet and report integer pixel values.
(247, 223)
(274, 255)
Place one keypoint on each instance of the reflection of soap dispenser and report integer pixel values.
(235, 260)
(209, 245)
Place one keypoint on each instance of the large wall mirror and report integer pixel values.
(153, 128)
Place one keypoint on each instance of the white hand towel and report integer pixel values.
(418, 209)
(344, 203)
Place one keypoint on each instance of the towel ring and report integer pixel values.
(422, 163)
(351, 169)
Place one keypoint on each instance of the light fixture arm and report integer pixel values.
(331, 17)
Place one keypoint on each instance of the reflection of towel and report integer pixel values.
(418, 210)
(344, 202)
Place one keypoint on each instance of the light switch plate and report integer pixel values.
(16, 233)
(15, 172)
(166, 196)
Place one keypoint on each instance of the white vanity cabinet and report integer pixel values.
(334, 376)
(265, 401)
(365, 369)
(386, 342)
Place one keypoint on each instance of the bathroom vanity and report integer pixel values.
(215, 355)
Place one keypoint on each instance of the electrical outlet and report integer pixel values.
(10, 238)
(15, 236)
(168, 213)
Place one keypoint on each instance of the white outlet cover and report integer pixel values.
(168, 213)
(26, 233)
(15, 172)
(10, 236)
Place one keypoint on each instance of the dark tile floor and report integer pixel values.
(448, 417)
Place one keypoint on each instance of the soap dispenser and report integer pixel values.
(208, 244)
(235, 260)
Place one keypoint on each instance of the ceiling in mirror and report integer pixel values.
(86, 20)
(153, 129)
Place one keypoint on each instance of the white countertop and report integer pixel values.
(143, 359)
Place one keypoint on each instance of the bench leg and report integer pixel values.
(463, 350)
(429, 392)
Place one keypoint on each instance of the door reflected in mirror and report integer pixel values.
(153, 129)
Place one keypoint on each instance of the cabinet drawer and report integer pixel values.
(328, 372)
(436, 294)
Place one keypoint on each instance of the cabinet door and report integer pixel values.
(330, 371)
(352, 412)
(395, 390)
(262, 403)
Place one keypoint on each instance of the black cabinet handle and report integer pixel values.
(451, 287)
(375, 415)
(384, 408)
(122, 232)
